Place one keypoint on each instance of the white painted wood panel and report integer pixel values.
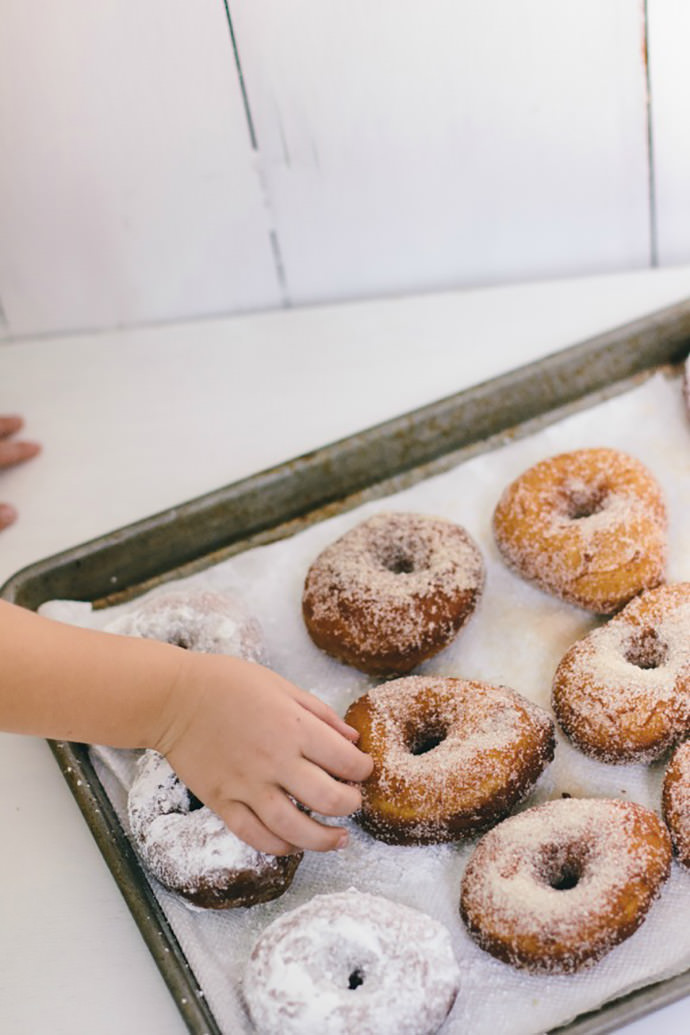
(128, 186)
(409, 145)
(669, 72)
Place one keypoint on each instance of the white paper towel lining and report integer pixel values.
(516, 638)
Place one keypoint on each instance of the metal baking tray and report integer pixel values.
(278, 502)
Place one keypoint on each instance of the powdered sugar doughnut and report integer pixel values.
(200, 620)
(350, 963)
(622, 694)
(556, 887)
(392, 592)
(451, 756)
(675, 801)
(188, 848)
(589, 526)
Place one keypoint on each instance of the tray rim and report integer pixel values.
(632, 351)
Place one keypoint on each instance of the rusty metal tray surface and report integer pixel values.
(278, 502)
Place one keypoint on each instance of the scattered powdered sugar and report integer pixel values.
(351, 962)
(200, 620)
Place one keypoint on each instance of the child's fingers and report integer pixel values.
(320, 792)
(16, 452)
(286, 821)
(325, 748)
(240, 819)
(8, 515)
(9, 424)
(324, 712)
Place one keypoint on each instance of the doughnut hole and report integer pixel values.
(420, 740)
(348, 970)
(583, 501)
(562, 866)
(646, 650)
(355, 979)
(400, 555)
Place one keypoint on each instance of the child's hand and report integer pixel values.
(245, 741)
(12, 452)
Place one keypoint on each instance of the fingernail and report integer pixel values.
(342, 843)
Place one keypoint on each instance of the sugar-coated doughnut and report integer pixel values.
(451, 756)
(393, 591)
(588, 526)
(201, 620)
(622, 694)
(188, 848)
(556, 887)
(350, 962)
(676, 801)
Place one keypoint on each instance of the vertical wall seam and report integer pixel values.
(240, 76)
(276, 254)
(651, 172)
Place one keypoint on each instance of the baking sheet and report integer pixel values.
(517, 638)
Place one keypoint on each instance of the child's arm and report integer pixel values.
(242, 738)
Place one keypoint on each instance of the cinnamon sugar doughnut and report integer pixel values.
(392, 592)
(350, 963)
(188, 848)
(451, 756)
(675, 801)
(556, 887)
(588, 526)
(622, 694)
(200, 620)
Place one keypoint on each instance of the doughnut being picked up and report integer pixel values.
(451, 756)
(556, 887)
(588, 526)
(622, 693)
(392, 592)
(350, 963)
(200, 620)
(189, 849)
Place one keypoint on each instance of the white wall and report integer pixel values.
(368, 148)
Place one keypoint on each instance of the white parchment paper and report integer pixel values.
(516, 637)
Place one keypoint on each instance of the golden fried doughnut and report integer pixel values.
(451, 756)
(622, 694)
(392, 592)
(588, 526)
(556, 887)
(676, 801)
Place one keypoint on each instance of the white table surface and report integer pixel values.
(133, 422)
